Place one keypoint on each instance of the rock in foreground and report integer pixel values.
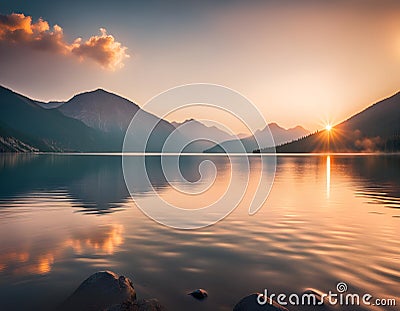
(106, 290)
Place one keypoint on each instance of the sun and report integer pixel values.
(328, 127)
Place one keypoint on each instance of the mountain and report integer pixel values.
(193, 130)
(376, 128)
(100, 110)
(9, 142)
(25, 126)
(279, 134)
(97, 121)
(282, 135)
(111, 114)
(49, 105)
(93, 121)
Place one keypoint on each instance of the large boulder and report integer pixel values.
(249, 303)
(101, 291)
(106, 291)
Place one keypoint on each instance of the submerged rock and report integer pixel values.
(249, 303)
(106, 291)
(199, 294)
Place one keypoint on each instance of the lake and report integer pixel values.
(328, 219)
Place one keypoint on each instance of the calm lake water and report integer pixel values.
(327, 219)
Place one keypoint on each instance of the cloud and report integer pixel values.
(103, 49)
(18, 29)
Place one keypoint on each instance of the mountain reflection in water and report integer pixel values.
(64, 217)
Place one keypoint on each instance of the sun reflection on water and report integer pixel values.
(292, 243)
(328, 176)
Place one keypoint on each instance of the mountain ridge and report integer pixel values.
(96, 121)
(250, 143)
(376, 128)
(43, 129)
(100, 110)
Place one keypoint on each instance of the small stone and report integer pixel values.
(199, 294)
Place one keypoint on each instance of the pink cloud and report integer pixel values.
(18, 29)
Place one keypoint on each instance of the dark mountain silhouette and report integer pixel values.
(100, 110)
(97, 121)
(93, 121)
(49, 105)
(249, 143)
(9, 142)
(111, 114)
(376, 128)
(26, 123)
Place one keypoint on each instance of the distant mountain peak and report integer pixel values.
(100, 109)
(97, 92)
(298, 127)
(190, 120)
(250, 143)
(274, 124)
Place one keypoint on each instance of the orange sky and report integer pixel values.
(305, 64)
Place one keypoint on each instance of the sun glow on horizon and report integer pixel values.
(328, 127)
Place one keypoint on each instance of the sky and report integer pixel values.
(300, 62)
